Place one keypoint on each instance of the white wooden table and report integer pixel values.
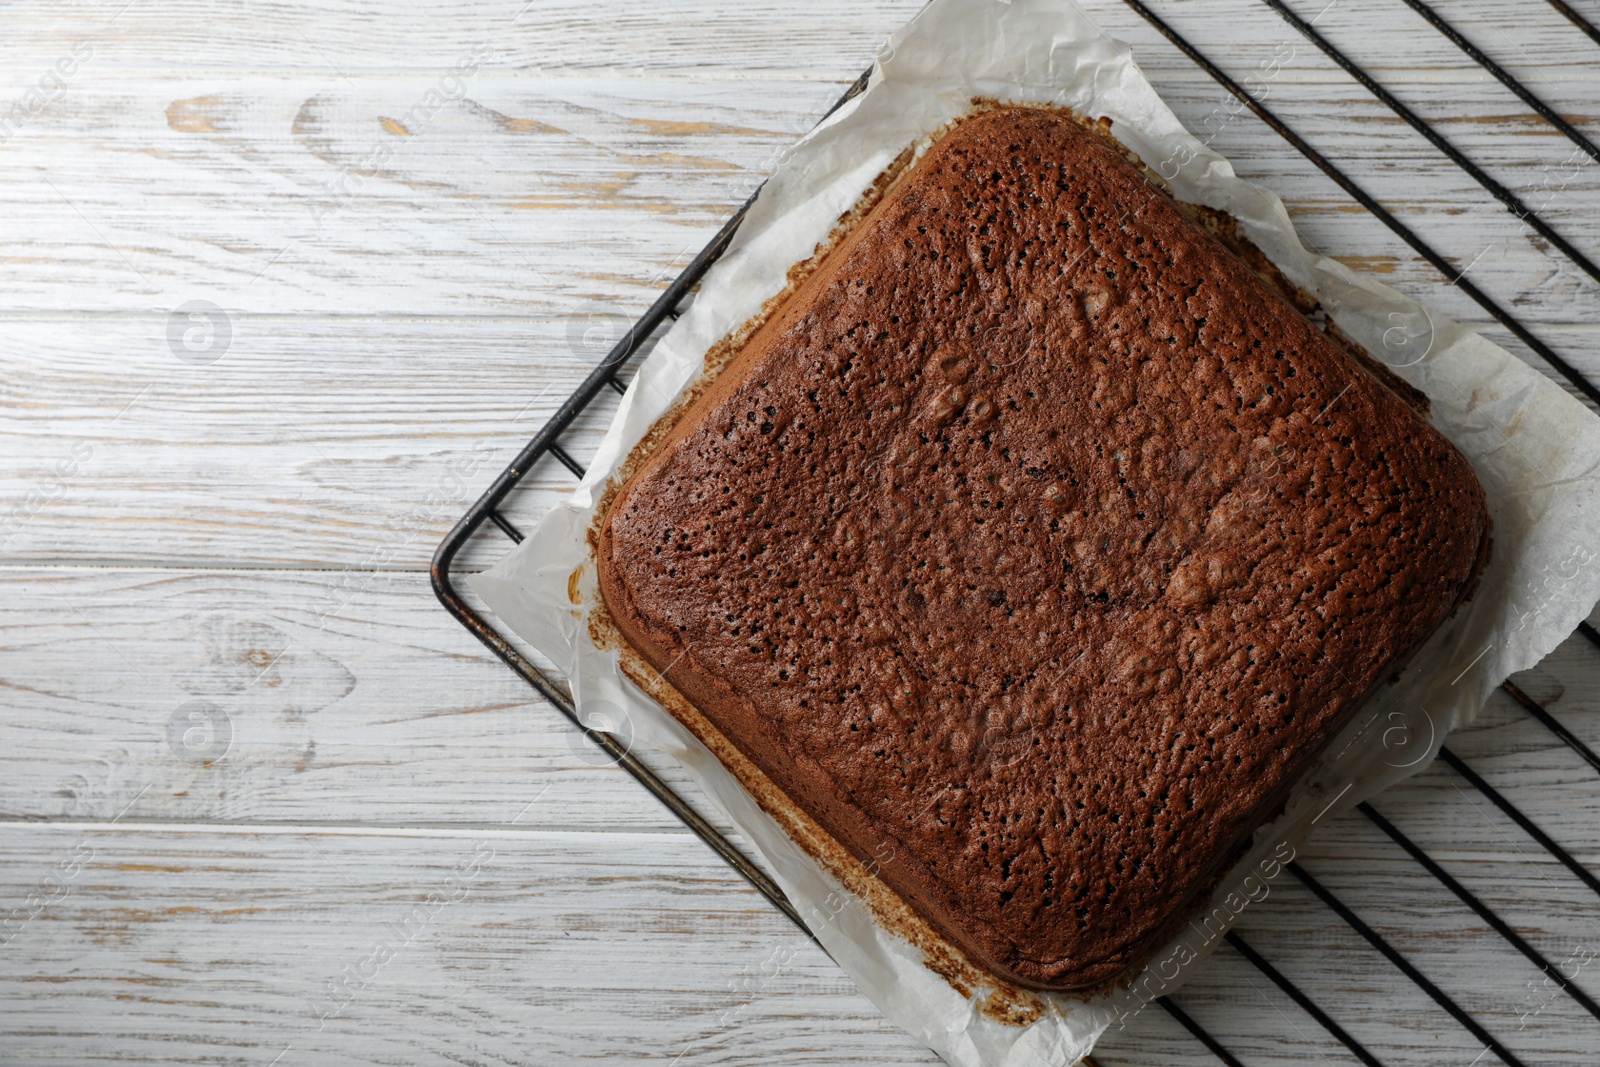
(262, 801)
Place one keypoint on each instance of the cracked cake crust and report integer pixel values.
(1039, 545)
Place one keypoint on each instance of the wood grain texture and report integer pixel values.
(314, 677)
(496, 945)
(241, 742)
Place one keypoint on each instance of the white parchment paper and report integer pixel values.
(1535, 449)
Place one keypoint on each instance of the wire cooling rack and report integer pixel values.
(546, 446)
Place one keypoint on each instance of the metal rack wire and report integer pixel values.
(546, 445)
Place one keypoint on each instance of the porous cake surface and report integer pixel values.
(1035, 545)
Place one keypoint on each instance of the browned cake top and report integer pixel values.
(1036, 544)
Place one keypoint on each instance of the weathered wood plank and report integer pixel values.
(695, 38)
(280, 698)
(497, 945)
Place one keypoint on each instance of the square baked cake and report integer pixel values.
(1036, 543)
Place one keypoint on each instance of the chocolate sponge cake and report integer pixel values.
(1035, 545)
